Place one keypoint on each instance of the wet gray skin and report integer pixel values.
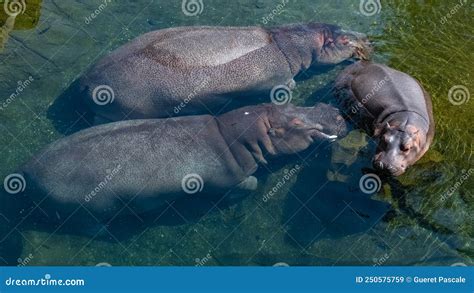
(151, 158)
(319, 123)
(401, 144)
(200, 70)
(391, 106)
(331, 44)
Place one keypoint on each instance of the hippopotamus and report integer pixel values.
(393, 108)
(209, 70)
(136, 166)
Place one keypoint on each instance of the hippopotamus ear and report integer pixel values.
(378, 129)
(381, 126)
(320, 39)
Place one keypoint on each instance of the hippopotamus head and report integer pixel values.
(254, 131)
(294, 129)
(333, 45)
(400, 146)
(321, 44)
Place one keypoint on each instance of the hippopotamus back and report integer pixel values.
(201, 70)
(130, 158)
(142, 164)
(383, 91)
(392, 107)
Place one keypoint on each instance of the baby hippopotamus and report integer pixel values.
(136, 166)
(393, 107)
(201, 70)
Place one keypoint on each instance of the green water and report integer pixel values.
(308, 221)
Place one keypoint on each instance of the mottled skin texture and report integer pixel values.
(155, 155)
(393, 107)
(206, 68)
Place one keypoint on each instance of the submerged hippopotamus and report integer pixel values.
(201, 70)
(136, 166)
(393, 107)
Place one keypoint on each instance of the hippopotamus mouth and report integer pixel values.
(389, 169)
(361, 46)
(397, 150)
(318, 133)
(340, 44)
(326, 122)
(362, 52)
(294, 129)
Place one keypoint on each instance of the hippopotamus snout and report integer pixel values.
(322, 121)
(294, 129)
(328, 118)
(390, 164)
(354, 43)
(336, 45)
(397, 150)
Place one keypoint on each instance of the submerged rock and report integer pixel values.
(346, 152)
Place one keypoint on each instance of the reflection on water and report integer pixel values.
(422, 218)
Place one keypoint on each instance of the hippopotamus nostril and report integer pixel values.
(378, 165)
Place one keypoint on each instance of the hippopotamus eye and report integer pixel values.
(328, 38)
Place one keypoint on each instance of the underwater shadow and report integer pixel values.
(68, 113)
(326, 209)
(320, 69)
